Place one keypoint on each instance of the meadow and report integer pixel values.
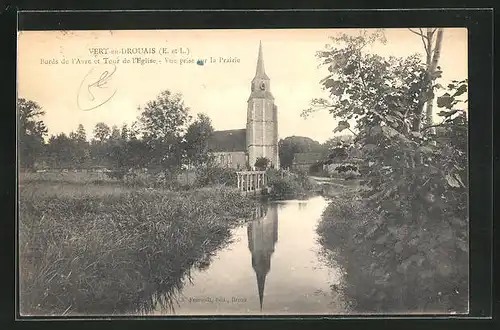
(94, 246)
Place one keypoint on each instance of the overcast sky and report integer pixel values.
(220, 90)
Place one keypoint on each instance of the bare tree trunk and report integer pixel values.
(432, 58)
(432, 66)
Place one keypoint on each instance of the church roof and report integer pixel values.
(228, 140)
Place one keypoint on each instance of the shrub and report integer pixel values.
(289, 185)
(213, 175)
(392, 265)
(261, 163)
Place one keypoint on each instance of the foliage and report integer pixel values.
(31, 132)
(102, 132)
(335, 141)
(210, 175)
(262, 163)
(395, 267)
(163, 123)
(414, 180)
(196, 139)
(291, 145)
(288, 185)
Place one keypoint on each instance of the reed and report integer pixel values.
(99, 249)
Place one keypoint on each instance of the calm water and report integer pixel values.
(274, 261)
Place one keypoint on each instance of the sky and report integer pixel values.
(219, 89)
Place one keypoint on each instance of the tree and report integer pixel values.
(31, 132)
(125, 133)
(335, 141)
(79, 147)
(101, 132)
(261, 163)
(433, 52)
(115, 133)
(163, 124)
(415, 181)
(295, 144)
(196, 140)
(60, 151)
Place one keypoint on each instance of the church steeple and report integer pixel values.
(262, 118)
(260, 72)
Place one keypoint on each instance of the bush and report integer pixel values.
(395, 266)
(288, 186)
(213, 175)
(261, 163)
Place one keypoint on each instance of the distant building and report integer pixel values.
(240, 148)
(304, 160)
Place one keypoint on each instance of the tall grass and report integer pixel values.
(290, 186)
(98, 249)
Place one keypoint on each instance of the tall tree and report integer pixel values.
(31, 132)
(432, 40)
(60, 151)
(81, 134)
(291, 145)
(101, 132)
(125, 133)
(115, 133)
(80, 148)
(196, 140)
(417, 187)
(163, 123)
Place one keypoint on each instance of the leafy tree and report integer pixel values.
(80, 150)
(163, 122)
(196, 140)
(125, 133)
(115, 133)
(415, 181)
(31, 132)
(261, 163)
(60, 151)
(335, 141)
(102, 132)
(296, 144)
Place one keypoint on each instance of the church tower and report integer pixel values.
(262, 118)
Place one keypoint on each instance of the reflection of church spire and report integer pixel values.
(261, 282)
(262, 237)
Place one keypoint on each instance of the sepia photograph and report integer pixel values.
(243, 172)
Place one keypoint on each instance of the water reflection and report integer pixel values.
(237, 278)
(262, 237)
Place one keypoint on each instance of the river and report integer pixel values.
(273, 265)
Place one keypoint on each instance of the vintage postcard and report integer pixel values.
(243, 172)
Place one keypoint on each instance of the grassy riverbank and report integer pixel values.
(397, 266)
(290, 186)
(103, 248)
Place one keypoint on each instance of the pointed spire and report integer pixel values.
(261, 282)
(260, 72)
